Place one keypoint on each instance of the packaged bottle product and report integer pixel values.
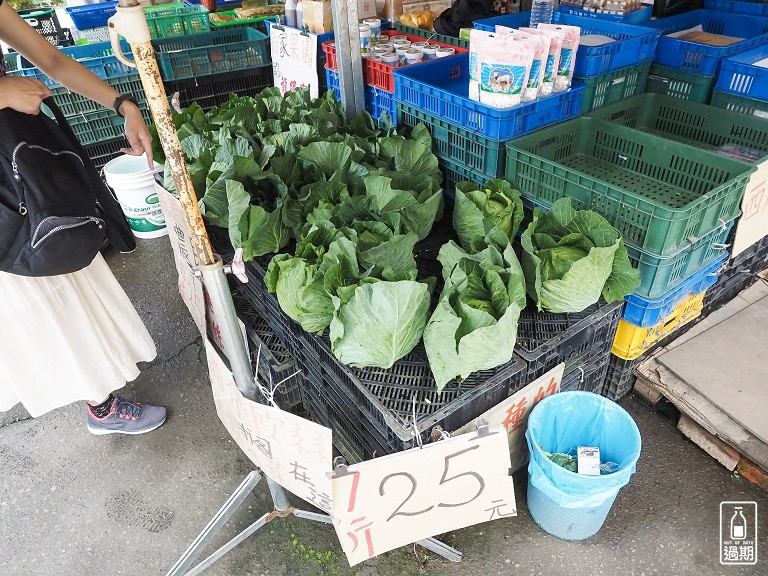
(541, 12)
(290, 13)
(300, 15)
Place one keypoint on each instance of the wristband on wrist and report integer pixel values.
(119, 102)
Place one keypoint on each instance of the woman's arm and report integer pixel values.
(53, 63)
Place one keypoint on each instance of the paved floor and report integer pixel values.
(73, 504)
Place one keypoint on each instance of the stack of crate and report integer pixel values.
(650, 323)
(742, 86)
(689, 70)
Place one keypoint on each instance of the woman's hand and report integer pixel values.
(136, 132)
(22, 94)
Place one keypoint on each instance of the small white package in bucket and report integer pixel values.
(539, 59)
(547, 87)
(570, 35)
(504, 65)
(134, 186)
(477, 39)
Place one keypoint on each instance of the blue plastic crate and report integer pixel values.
(92, 15)
(753, 8)
(98, 58)
(634, 44)
(376, 99)
(441, 87)
(645, 313)
(702, 58)
(638, 17)
(739, 75)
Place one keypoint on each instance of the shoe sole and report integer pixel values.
(105, 431)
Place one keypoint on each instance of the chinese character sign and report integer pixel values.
(190, 286)
(294, 60)
(753, 224)
(513, 413)
(388, 502)
(294, 452)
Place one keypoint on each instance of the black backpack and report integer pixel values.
(55, 211)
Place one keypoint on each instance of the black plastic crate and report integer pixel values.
(546, 339)
(214, 90)
(588, 377)
(383, 398)
(620, 378)
(46, 23)
(737, 275)
(103, 152)
(275, 363)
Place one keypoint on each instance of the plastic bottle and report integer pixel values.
(541, 12)
(738, 525)
(290, 13)
(300, 15)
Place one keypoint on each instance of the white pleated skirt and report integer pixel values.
(67, 338)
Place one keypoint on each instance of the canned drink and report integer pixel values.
(365, 38)
(443, 52)
(430, 52)
(413, 56)
(375, 25)
(390, 59)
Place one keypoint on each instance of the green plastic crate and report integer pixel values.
(429, 35)
(475, 152)
(172, 20)
(695, 124)
(73, 104)
(660, 275)
(738, 104)
(658, 193)
(212, 53)
(99, 126)
(614, 86)
(680, 84)
(454, 173)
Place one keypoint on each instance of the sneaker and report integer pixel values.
(126, 418)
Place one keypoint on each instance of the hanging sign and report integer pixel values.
(388, 502)
(291, 450)
(294, 60)
(190, 286)
(513, 413)
(753, 224)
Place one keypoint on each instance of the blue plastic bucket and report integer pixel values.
(567, 505)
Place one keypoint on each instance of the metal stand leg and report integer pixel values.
(441, 549)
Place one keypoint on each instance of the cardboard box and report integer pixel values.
(318, 16)
(710, 39)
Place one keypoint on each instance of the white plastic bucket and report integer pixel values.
(134, 186)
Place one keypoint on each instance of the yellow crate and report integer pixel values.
(631, 341)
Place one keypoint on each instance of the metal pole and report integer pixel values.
(348, 56)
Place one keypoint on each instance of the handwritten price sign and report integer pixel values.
(753, 224)
(513, 413)
(294, 452)
(388, 502)
(190, 286)
(294, 60)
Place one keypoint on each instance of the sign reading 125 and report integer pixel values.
(392, 501)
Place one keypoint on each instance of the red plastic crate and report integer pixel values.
(378, 74)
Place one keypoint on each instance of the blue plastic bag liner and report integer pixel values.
(567, 420)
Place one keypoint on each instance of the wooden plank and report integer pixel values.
(753, 473)
(712, 445)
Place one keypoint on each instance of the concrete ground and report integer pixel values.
(73, 504)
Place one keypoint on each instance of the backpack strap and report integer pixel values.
(118, 231)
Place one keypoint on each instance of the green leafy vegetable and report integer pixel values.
(480, 211)
(572, 257)
(474, 326)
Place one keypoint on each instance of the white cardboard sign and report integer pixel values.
(753, 224)
(190, 286)
(293, 451)
(513, 413)
(388, 502)
(294, 60)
